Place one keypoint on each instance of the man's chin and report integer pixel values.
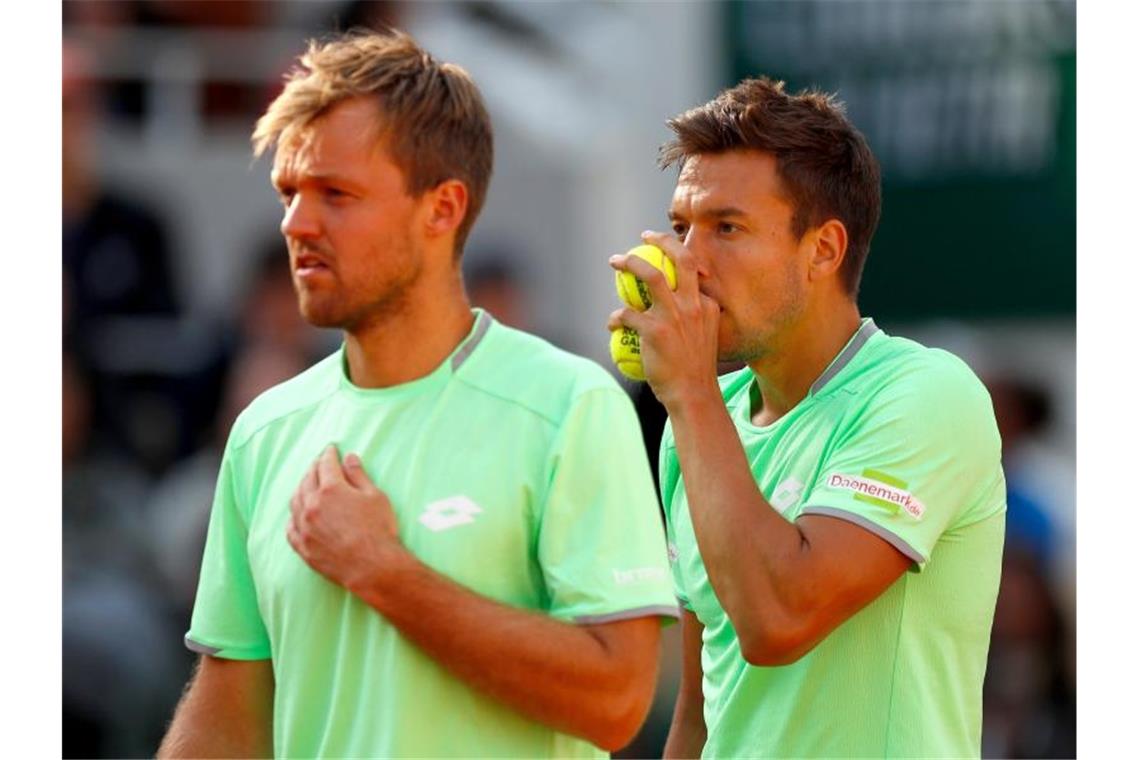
(737, 354)
(322, 317)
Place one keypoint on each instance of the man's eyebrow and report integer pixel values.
(328, 178)
(288, 178)
(712, 213)
(725, 211)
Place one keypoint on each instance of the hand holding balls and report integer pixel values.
(625, 344)
(635, 292)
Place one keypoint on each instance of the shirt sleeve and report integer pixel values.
(922, 458)
(669, 473)
(226, 621)
(601, 544)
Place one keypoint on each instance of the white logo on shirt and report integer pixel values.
(622, 577)
(450, 512)
(786, 494)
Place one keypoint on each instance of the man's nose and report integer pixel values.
(697, 246)
(301, 220)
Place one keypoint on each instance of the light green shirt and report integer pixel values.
(514, 468)
(899, 439)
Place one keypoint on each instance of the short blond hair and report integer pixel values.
(431, 113)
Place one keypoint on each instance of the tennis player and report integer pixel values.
(442, 540)
(836, 509)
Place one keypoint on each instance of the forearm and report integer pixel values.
(556, 673)
(687, 734)
(755, 559)
(209, 724)
(193, 734)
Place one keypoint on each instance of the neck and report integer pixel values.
(786, 372)
(408, 343)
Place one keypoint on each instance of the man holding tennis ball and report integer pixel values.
(836, 537)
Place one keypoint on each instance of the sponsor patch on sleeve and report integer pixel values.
(875, 487)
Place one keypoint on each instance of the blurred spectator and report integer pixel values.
(1021, 411)
(1040, 484)
(1030, 703)
(102, 491)
(150, 374)
(116, 655)
(1030, 698)
(116, 258)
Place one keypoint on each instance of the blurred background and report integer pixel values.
(178, 307)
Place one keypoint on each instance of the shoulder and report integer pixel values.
(523, 370)
(905, 369)
(928, 391)
(310, 387)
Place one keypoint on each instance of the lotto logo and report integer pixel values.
(786, 494)
(448, 513)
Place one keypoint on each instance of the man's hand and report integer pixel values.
(679, 331)
(342, 525)
(591, 680)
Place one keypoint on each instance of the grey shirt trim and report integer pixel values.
(194, 646)
(862, 335)
(657, 609)
(878, 530)
(472, 342)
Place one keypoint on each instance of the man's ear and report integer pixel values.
(828, 249)
(447, 207)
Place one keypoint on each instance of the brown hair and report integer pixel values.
(431, 112)
(821, 158)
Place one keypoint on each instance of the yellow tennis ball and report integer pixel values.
(625, 350)
(633, 291)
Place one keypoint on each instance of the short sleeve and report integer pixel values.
(601, 544)
(669, 474)
(921, 458)
(226, 621)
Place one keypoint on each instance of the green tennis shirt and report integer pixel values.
(898, 439)
(514, 468)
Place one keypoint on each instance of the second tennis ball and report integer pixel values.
(633, 291)
(625, 350)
